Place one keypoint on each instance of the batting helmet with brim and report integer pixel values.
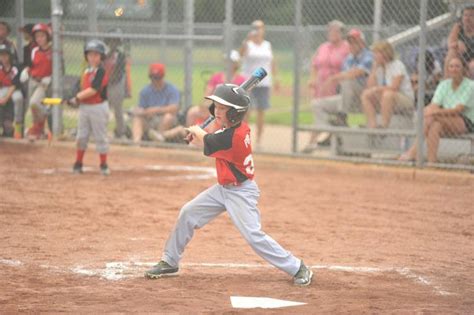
(95, 45)
(41, 27)
(233, 96)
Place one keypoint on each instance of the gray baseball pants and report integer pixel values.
(18, 103)
(93, 119)
(240, 202)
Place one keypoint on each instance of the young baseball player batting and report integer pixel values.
(93, 106)
(236, 192)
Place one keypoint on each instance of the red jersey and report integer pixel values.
(233, 152)
(98, 80)
(10, 77)
(41, 63)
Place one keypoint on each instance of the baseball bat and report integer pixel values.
(257, 75)
(52, 101)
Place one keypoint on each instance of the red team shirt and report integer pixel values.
(41, 63)
(97, 79)
(9, 78)
(233, 153)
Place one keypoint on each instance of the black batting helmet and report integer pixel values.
(95, 45)
(5, 49)
(233, 96)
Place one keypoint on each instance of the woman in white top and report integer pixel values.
(257, 52)
(388, 87)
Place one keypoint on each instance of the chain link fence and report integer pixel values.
(309, 41)
(386, 112)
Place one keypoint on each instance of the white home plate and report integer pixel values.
(261, 302)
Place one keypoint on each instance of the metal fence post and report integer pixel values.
(163, 30)
(421, 78)
(228, 37)
(56, 14)
(378, 5)
(20, 21)
(296, 73)
(188, 52)
(92, 15)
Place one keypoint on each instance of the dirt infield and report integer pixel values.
(378, 239)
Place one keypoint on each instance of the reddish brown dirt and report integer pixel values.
(330, 214)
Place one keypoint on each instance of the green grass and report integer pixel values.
(206, 60)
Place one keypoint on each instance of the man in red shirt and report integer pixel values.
(236, 192)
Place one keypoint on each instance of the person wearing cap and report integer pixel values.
(158, 105)
(196, 115)
(11, 98)
(5, 31)
(38, 74)
(389, 89)
(257, 52)
(116, 65)
(351, 79)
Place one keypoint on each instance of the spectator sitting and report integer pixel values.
(433, 76)
(352, 80)
(115, 65)
(461, 40)
(196, 115)
(326, 62)
(388, 87)
(158, 105)
(451, 111)
(11, 99)
(5, 30)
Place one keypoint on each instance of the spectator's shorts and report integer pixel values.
(260, 98)
(403, 104)
(154, 122)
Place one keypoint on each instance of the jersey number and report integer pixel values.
(249, 165)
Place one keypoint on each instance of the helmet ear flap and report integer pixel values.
(212, 109)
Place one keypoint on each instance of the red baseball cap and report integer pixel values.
(157, 69)
(356, 34)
